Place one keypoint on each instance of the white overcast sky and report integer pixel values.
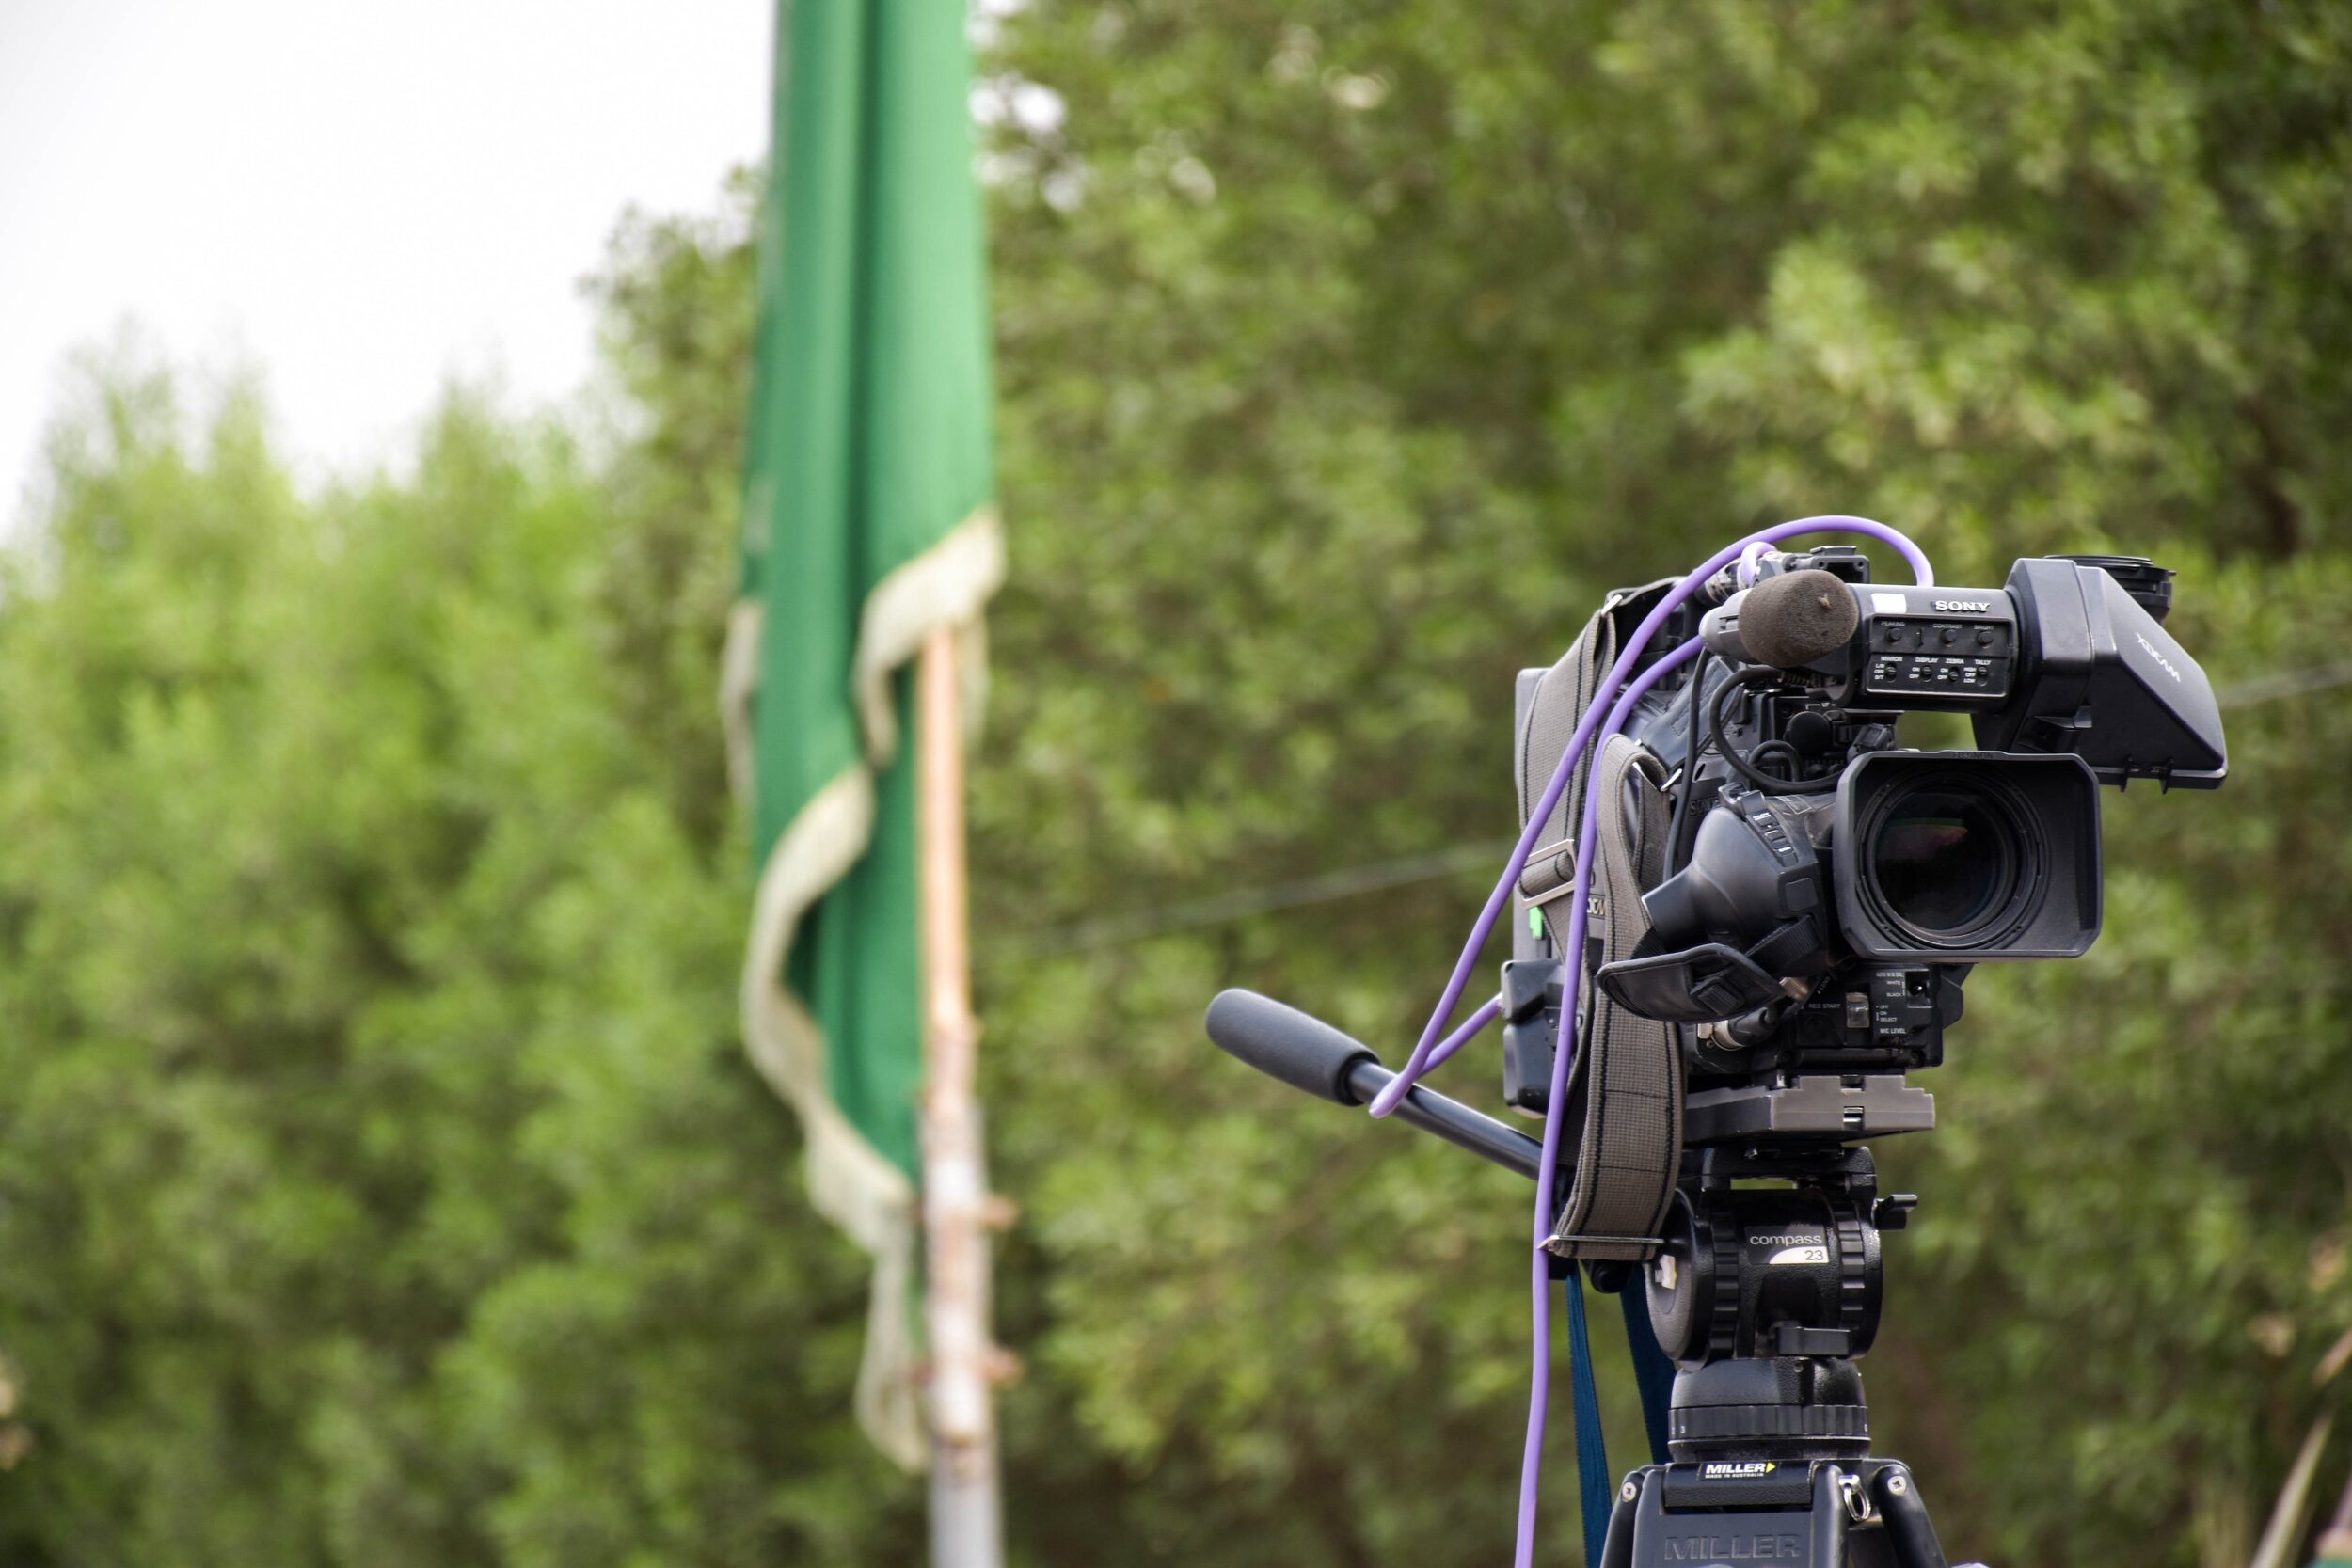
(357, 198)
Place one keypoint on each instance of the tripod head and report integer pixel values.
(1785, 1278)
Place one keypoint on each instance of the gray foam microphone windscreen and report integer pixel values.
(1789, 621)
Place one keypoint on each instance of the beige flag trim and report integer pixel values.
(848, 1181)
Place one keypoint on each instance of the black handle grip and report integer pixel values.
(1286, 1044)
(1308, 1054)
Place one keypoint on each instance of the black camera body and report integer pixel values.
(1824, 894)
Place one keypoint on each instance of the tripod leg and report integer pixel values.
(1829, 1520)
(1618, 1551)
(1907, 1528)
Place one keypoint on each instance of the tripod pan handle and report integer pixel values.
(1286, 1044)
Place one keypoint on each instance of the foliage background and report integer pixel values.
(380, 1179)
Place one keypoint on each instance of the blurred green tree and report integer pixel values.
(1349, 354)
(379, 1181)
(383, 1183)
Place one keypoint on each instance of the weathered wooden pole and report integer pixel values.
(967, 1530)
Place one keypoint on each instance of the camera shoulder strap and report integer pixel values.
(1624, 1105)
(1623, 1115)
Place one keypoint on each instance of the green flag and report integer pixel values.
(866, 525)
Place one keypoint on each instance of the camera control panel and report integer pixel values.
(1936, 648)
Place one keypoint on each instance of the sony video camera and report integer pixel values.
(1779, 911)
(1820, 893)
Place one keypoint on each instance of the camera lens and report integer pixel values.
(1967, 857)
(1945, 859)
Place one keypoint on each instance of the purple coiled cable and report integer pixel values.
(1591, 732)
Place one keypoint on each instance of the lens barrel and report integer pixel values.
(1967, 857)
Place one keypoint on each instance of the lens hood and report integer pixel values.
(1967, 857)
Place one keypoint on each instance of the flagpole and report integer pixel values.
(966, 1524)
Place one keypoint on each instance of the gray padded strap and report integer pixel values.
(1623, 1115)
(1626, 1101)
(1559, 702)
(1561, 698)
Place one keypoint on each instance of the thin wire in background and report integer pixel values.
(1329, 887)
(2287, 683)
(1192, 914)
